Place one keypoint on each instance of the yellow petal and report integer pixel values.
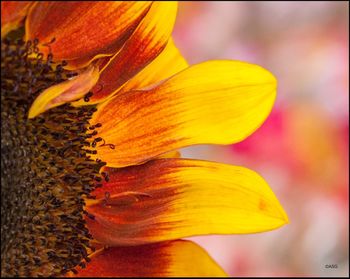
(167, 199)
(217, 102)
(12, 15)
(145, 44)
(170, 259)
(65, 92)
(83, 30)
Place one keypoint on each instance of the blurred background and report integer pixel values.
(302, 148)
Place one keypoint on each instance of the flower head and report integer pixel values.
(95, 101)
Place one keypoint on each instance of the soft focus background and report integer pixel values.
(302, 148)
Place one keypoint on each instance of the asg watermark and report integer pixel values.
(331, 266)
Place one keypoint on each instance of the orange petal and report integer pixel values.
(145, 44)
(168, 199)
(65, 92)
(169, 259)
(217, 102)
(83, 30)
(12, 14)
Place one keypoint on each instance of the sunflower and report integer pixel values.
(95, 101)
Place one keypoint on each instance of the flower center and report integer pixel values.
(46, 170)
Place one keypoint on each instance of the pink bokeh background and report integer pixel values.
(302, 148)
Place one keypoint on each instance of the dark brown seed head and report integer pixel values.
(46, 170)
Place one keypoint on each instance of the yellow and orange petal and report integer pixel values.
(12, 14)
(167, 64)
(143, 46)
(65, 29)
(65, 92)
(168, 199)
(216, 102)
(169, 259)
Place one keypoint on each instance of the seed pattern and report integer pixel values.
(46, 169)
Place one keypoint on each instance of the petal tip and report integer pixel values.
(33, 113)
(285, 217)
(282, 216)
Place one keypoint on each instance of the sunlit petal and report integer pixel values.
(217, 102)
(168, 199)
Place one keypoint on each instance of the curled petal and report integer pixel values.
(12, 14)
(216, 102)
(65, 92)
(82, 31)
(171, 259)
(145, 44)
(168, 199)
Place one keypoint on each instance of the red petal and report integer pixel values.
(83, 30)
